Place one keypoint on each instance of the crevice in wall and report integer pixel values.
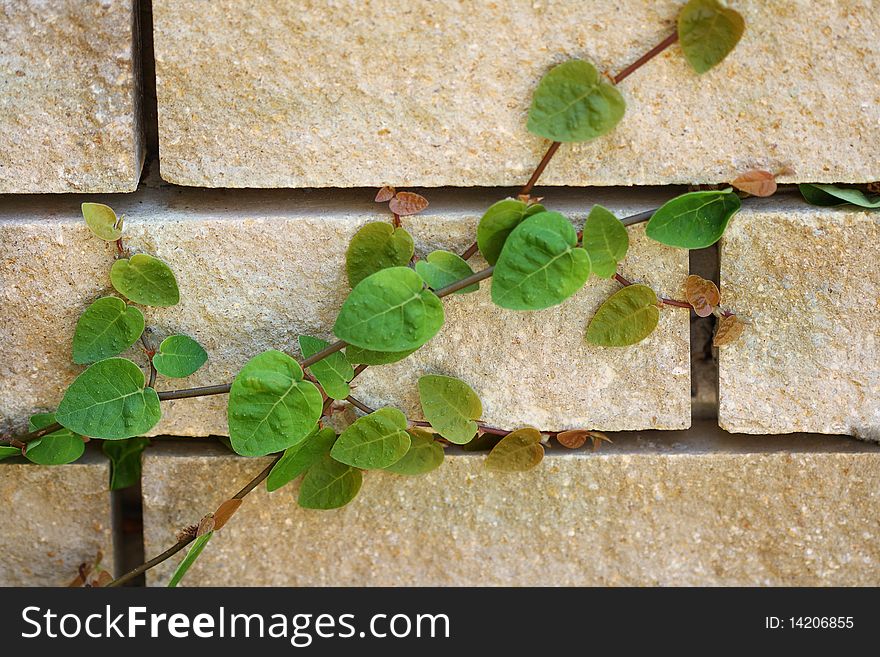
(150, 173)
(704, 361)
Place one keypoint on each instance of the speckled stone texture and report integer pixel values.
(70, 116)
(54, 519)
(256, 269)
(435, 92)
(659, 508)
(806, 280)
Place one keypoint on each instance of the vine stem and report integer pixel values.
(669, 302)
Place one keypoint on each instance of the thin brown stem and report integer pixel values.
(644, 59)
(527, 188)
(669, 302)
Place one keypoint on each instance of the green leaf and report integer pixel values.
(195, 549)
(333, 372)
(102, 221)
(540, 265)
(270, 406)
(7, 452)
(179, 356)
(829, 195)
(145, 280)
(56, 448)
(109, 400)
(694, 220)
(125, 461)
(301, 457)
(374, 247)
(498, 222)
(451, 406)
(442, 268)
(369, 357)
(373, 441)
(708, 31)
(627, 317)
(518, 451)
(573, 103)
(605, 240)
(425, 454)
(390, 311)
(107, 328)
(329, 484)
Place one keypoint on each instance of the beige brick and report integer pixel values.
(657, 508)
(70, 115)
(435, 92)
(806, 280)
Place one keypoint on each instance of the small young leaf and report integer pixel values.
(756, 183)
(125, 461)
(102, 221)
(270, 406)
(451, 406)
(56, 448)
(605, 241)
(573, 103)
(107, 328)
(179, 356)
(374, 247)
(497, 224)
(708, 31)
(369, 357)
(109, 400)
(333, 372)
(425, 454)
(442, 268)
(300, 457)
(576, 438)
(627, 317)
(830, 195)
(195, 549)
(694, 220)
(145, 280)
(728, 331)
(407, 203)
(385, 194)
(374, 441)
(7, 452)
(225, 512)
(703, 295)
(518, 451)
(390, 311)
(540, 265)
(329, 484)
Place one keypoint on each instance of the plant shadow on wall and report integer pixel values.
(280, 406)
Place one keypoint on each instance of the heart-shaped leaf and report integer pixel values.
(442, 268)
(373, 441)
(497, 224)
(145, 280)
(703, 295)
(575, 438)
(407, 203)
(102, 221)
(374, 247)
(270, 406)
(540, 265)
(179, 356)
(708, 31)
(385, 194)
(109, 400)
(756, 183)
(329, 484)
(728, 331)
(390, 311)
(627, 317)
(573, 103)
(369, 357)
(195, 549)
(425, 454)
(518, 451)
(605, 241)
(107, 328)
(301, 457)
(830, 195)
(333, 372)
(56, 448)
(451, 406)
(125, 460)
(694, 220)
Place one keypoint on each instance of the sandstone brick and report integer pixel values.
(435, 92)
(806, 280)
(657, 508)
(70, 116)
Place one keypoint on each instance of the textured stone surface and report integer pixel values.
(435, 92)
(807, 281)
(69, 96)
(255, 269)
(668, 508)
(54, 519)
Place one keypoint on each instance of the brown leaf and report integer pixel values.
(224, 512)
(729, 330)
(385, 194)
(206, 525)
(703, 295)
(756, 183)
(573, 439)
(598, 438)
(407, 203)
